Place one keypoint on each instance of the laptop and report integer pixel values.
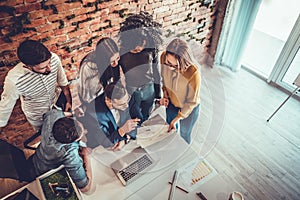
(132, 166)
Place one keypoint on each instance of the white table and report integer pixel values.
(171, 153)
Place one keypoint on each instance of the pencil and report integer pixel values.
(180, 188)
(173, 186)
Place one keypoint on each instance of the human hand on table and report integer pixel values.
(172, 125)
(164, 102)
(129, 126)
(118, 146)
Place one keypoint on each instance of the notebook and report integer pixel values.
(133, 165)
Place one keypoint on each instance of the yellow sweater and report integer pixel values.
(183, 89)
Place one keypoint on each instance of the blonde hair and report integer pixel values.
(181, 51)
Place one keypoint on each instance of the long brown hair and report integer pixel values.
(181, 51)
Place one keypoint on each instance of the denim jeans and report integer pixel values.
(142, 100)
(187, 124)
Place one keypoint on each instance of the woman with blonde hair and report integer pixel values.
(181, 87)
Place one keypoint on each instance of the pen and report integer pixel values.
(180, 188)
(173, 186)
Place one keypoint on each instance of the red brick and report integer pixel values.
(54, 2)
(23, 35)
(27, 7)
(76, 19)
(52, 48)
(55, 17)
(47, 35)
(88, 1)
(78, 33)
(83, 10)
(60, 51)
(88, 24)
(68, 7)
(95, 15)
(61, 38)
(47, 27)
(40, 13)
(11, 2)
(163, 14)
(30, 1)
(153, 5)
(95, 27)
(63, 30)
(107, 4)
(36, 22)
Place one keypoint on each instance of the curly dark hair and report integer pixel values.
(66, 130)
(139, 27)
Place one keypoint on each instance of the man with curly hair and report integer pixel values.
(140, 37)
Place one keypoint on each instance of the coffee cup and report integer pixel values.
(236, 196)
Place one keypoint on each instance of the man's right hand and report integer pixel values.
(129, 126)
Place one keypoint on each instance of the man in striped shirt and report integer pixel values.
(34, 80)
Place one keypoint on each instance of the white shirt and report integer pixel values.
(36, 91)
(116, 115)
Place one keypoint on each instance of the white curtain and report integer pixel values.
(238, 22)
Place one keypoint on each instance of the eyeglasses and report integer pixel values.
(171, 66)
(120, 103)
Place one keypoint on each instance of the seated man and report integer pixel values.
(60, 145)
(113, 115)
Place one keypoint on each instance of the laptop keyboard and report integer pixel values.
(135, 168)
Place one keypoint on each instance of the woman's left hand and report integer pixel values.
(173, 123)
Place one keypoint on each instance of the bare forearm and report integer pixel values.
(67, 93)
(87, 168)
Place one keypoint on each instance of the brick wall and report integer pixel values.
(71, 28)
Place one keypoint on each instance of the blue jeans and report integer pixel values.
(187, 124)
(142, 100)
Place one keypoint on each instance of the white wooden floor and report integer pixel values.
(261, 159)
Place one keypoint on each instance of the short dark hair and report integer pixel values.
(31, 52)
(66, 130)
(115, 91)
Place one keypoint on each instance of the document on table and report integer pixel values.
(149, 135)
(194, 174)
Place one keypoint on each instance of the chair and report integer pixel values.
(29, 140)
(297, 84)
(14, 164)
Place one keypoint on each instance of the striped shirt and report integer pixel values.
(36, 91)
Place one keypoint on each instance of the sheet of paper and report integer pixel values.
(149, 135)
(194, 174)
